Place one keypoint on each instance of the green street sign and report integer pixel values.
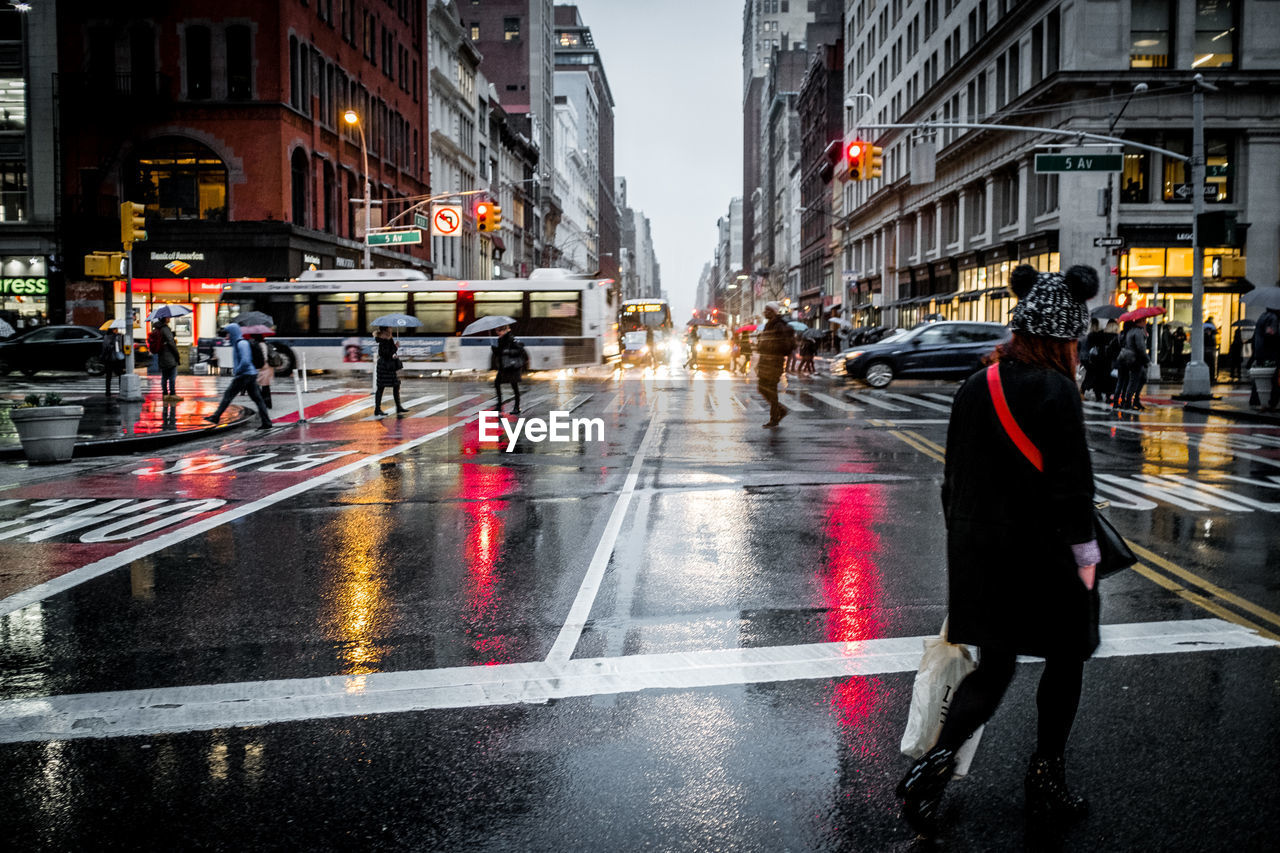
(395, 238)
(420, 221)
(1054, 163)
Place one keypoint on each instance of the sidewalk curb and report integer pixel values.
(1235, 414)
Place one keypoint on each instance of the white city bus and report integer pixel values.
(562, 319)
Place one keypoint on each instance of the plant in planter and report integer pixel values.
(46, 428)
(1263, 374)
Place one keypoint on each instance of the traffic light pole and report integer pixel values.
(130, 383)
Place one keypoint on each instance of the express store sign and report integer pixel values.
(24, 276)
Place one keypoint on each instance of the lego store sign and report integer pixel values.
(24, 276)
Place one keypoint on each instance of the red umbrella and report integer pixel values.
(1141, 313)
(749, 327)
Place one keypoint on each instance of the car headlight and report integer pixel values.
(856, 354)
(644, 350)
(723, 348)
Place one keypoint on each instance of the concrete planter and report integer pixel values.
(48, 433)
(1262, 378)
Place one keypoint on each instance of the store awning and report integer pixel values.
(498, 245)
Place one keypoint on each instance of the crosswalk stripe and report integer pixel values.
(942, 398)
(878, 403)
(438, 407)
(347, 410)
(916, 401)
(838, 404)
(410, 404)
(793, 402)
(575, 401)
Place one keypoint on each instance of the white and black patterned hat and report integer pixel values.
(1050, 304)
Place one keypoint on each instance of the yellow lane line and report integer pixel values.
(926, 442)
(925, 449)
(1202, 602)
(1212, 589)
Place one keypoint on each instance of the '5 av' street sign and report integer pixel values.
(1054, 163)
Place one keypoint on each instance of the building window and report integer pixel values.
(199, 63)
(179, 178)
(1046, 194)
(475, 31)
(510, 29)
(976, 210)
(330, 199)
(1150, 33)
(239, 63)
(1135, 180)
(1215, 34)
(298, 173)
(13, 103)
(1006, 207)
(950, 221)
(142, 59)
(13, 190)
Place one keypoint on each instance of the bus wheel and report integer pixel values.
(288, 361)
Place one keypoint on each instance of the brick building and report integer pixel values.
(227, 122)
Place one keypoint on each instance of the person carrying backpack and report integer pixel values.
(245, 378)
(510, 359)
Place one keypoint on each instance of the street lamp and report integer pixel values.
(353, 118)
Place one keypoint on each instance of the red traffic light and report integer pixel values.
(482, 209)
(857, 149)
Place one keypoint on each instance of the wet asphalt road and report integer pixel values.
(694, 634)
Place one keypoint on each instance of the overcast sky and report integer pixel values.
(675, 69)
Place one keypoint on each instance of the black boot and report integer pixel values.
(921, 789)
(1048, 797)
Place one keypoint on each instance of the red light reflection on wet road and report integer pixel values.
(481, 486)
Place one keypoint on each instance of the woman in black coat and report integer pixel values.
(388, 371)
(1021, 555)
(511, 359)
(1098, 361)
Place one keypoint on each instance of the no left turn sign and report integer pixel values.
(446, 220)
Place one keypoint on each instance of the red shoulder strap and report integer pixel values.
(1015, 432)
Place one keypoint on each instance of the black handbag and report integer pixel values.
(1116, 555)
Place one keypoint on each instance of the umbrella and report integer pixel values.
(1107, 312)
(797, 325)
(168, 311)
(1141, 313)
(1245, 322)
(396, 321)
(488, 324)
(254, 318)
(1175, 324)
(117, 323)
(749, 327)
(813, 334)
(1267, 297)
(5, 329)
(836, 321)
(257, 330)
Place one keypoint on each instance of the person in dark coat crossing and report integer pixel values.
(1021, 553)
(510, 359)
(387, 371)
(775, 346)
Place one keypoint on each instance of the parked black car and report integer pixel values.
(944, 350)
(74, 348)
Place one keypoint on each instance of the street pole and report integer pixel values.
(130, 384)
(1196, 382)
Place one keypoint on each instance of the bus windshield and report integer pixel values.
(644, 314)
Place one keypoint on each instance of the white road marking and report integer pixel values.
(409, 405)
(917, 401)
(579, 612)
(343, 411)
(439, 407)
(840, 404)
(941, 398)
(876, 401)
(790, 399)
(208, 707)
(74, 578)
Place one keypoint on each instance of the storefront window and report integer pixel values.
(1160, 262)
(24, 292)
(180, 179)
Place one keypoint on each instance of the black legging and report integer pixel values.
(980, 693)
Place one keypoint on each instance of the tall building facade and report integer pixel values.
(32, 287)
(228, 125)
(939, 234)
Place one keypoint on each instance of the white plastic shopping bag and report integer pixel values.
(942, 667)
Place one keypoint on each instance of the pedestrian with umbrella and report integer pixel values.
(1098, 360)
(112, 357)
(167, 355)
(508, 356)
(1133, 359)
(387, 366)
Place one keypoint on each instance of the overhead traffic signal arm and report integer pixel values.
(133, 224)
